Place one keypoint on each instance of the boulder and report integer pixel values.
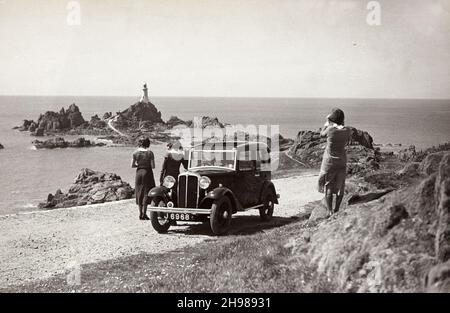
(90, 187)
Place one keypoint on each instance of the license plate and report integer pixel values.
(181, 217)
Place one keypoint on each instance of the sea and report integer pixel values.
(27, 175)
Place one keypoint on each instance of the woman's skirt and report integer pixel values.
(144, 182)
(333, 179)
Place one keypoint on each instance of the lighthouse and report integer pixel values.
(144, 97)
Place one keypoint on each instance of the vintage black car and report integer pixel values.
(222, 178)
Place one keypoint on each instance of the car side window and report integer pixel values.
(247, 161)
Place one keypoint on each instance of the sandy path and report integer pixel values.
(37, 245)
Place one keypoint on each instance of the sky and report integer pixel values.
(226, 48)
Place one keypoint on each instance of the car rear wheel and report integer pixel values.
(160, 221)
(221, 213)
(266, 211)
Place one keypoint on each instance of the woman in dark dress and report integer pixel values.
(172, 160)
(333, 170)
(144, 162)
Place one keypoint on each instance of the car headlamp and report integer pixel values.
(169, 181)
(204, 182)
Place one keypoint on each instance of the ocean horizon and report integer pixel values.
(32, 174)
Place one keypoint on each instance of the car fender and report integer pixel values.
(159, 191)
(270, 185)
(218, 193)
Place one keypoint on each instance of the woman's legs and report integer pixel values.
(329, 200)
(340, 186)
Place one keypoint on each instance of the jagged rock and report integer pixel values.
(59, 142)
(174, 121)
(137, 113)
(205, 121)
(26, 125)
(96, 122)
(90, 187)
(54, 121)
(107, 115)
(308, 148)
(360, 137)
(285, 143)
(39, 132)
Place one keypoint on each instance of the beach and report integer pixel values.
(38, 245)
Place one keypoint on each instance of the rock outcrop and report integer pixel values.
(90, 187)
(399, 242)
(59, 142)
(62, 120)
(175, 121)
(96, 122)
(309, 146)
(138, 113)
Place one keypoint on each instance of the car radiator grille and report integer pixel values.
(187, 191)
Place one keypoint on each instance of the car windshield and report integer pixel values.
(216, 158)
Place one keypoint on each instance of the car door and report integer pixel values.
(248, 180)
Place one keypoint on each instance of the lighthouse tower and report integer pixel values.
(144, 97)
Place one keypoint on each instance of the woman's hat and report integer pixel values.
(336, 116)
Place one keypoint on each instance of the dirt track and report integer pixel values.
(40, 244)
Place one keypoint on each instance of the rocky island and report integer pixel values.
(90, 187)
(124, 127)
(60, 142)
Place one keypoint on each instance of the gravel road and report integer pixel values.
(37, 245)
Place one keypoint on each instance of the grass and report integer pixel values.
(262, 262)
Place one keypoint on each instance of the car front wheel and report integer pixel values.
(160, 221)
(266, 211)
(221, 213)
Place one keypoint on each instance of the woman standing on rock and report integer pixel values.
(334, 162)
(144, 162)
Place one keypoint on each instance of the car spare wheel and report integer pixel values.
(160, 221)
(266, 211)
(221, 213)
